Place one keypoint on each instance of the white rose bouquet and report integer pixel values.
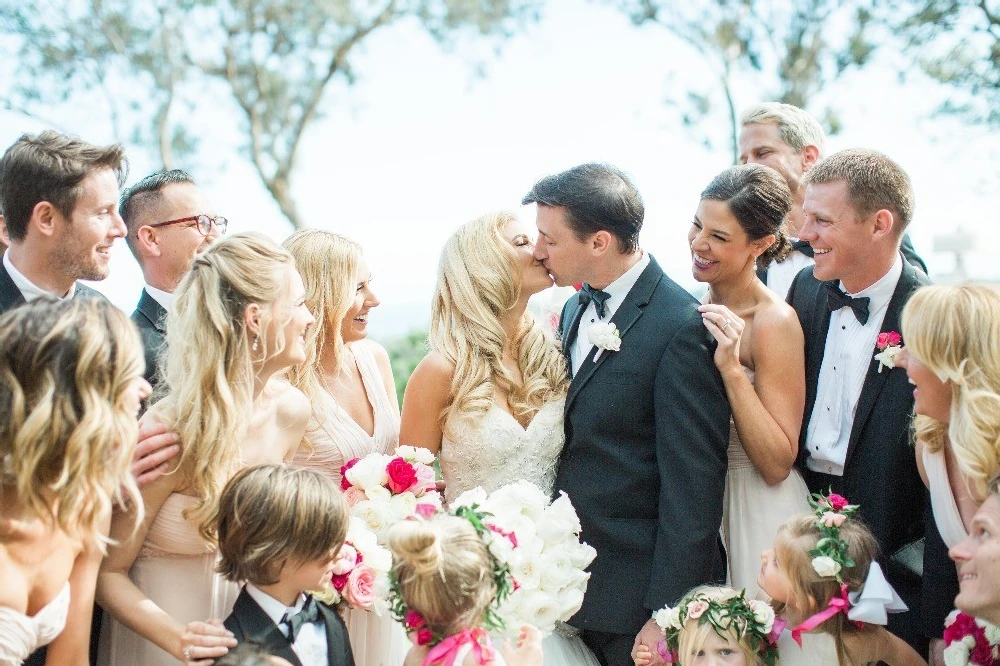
(382, 489)
(540, 541)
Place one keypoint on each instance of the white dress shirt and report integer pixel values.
(310, 644)
(617, 291)
(164, 298)
(780, 275)
(850, 347)
(29, 289)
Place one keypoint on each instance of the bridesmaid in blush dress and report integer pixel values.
(237, 324)
(760, 354)
(349, 382)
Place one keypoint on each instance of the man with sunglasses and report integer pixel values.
(169, 221)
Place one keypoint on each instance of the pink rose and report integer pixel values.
(413, 619)
(426, 511)
(505, 533)
(838, 502)
(346, 559)
(402, 476)
(696, 608)
(360, 590)
(424, 636)
(888, 339)
(425, 480)
(353, 495)
(831, 519)
(344, 483)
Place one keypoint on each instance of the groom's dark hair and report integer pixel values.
(595, 196)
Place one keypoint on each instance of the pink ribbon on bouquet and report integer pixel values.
(446, 651)
(841, 604)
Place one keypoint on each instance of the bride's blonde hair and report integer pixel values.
(212, 362)
(478, 282)
(67, 435)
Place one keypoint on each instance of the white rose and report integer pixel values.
(604, 336)
(537, 608)
(763, 614)
(557, 571)
(570, 601)
(474, 496)
(662, 617)
(403, 505)
(825, 566)
(581, 554)
(956, 654)
(559, 521)
(377, 516)
(991, 630)
(417, 454)
(369, 472)
(521, 497)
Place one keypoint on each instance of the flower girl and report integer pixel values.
(446, 588)
(715, 625)
(822, 577)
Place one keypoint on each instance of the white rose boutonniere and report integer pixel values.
(889, 344)
(604, 336)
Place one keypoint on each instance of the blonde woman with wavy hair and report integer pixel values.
(489, 397)
(951, 337)
(237, 325)
(349, 382)
(70, 389)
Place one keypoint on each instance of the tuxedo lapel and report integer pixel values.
(625, 317)
(152, 311)
(875, 380)
(815, 347)
(337, 645)
(572, 312)
(258, 628)
(10, 295)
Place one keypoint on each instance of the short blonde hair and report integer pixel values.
(67, 434)
(478, 283)
(271, 514)
(694, 634)
(954, 330)
(810, 592)
(444, 571)
(210, 364)
(795, 126)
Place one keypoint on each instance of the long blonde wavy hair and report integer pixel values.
(955, 331)
(66, 433)
(211, 363)
(479, 280)
(328, 264)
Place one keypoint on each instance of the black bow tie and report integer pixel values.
(308, 614)
(836, 299)
(804, 247)
(588, 294)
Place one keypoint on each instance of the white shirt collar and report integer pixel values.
(164, 298)
(881, 292)
(272, 607)
(29, 289)
(619, 288)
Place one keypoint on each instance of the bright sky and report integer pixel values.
(422, 144)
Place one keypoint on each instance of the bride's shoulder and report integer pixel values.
(435, 368)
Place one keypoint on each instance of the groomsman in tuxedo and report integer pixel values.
(855, 435)
(169, 221)
(646, 417)
(60, 198)
(790, 141)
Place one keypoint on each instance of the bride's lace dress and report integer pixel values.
(495, 450)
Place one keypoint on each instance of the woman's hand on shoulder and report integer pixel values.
(157, 446)
(428, 393)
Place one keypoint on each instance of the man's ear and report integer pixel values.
(885, 224)
(44, 218)
(149, 240)
(4, 238)
(601, 241)
(810, 155)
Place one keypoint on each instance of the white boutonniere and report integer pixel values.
(889, 344)
(605, 337)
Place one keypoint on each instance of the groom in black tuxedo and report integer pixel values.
(647, 423)
(855, 436)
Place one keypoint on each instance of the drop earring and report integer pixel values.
(256, 340)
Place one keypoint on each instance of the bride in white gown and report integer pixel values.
(489, 396)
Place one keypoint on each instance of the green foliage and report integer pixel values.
(404, 353)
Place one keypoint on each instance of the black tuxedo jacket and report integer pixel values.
(149, 317)
(645, 461)
(880, 472)
(10, 295)
(906, 247)
(252, 625)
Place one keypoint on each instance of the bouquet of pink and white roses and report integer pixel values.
(970, 641)
(539, 540)
(384, 489)
(360, 572)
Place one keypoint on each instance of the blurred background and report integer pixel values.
(395, 121)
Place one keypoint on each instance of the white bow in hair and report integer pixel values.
(876, 600)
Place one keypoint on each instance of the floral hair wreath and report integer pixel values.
(504, 583)
(726, 611)
(830, 555)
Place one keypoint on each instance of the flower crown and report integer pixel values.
(830, 554)
(415, 624)
(727, 611)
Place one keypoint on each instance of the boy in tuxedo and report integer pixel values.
(279, 531)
